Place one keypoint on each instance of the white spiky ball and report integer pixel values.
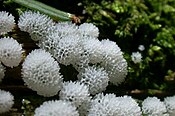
(78, 94)
(110, 105)
(10, 52)
(6, 101)
(40, 73)
(36, 24)
(75, 92)
(103, 105)
(93, 49)
(128, 106)
(96, 78)
(152, 106)
(56, 108)
(65, 29)
(170, 105)
(113, 62)
(7, 22)
(67, 50)
(88, 29)
(136, 57)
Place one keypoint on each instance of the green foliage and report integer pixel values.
(131, 23)
(27, 108)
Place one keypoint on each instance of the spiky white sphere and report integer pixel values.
(152, 106)
(40, 73)
(117, 71)
(65, 29)
(6, 101)
(57, 32)
(36, 24)
(7, 22)
(88, 29)
(67, 50)
(103, 105)
(50, 42)
(93, 49)
(2, 72)
(78, 94)
(170, 105)
(114, 62)
(96, 78)
(63, 43)
(136, 57)
(128, 106)
(111, 50)
(141, 47)
(110, 105)
(75, 92)
(56, 108)
(10, 52)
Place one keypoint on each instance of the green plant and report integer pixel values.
(139, 22)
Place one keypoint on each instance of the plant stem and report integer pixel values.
(48, 10)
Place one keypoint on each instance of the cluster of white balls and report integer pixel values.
(69, 45)
(98, 63)
(76, 45)
(10, 49)
(110, 105)
(10, 52)
(10, 56)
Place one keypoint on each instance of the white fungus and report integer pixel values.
(96, 78)
(78, 94)
(152, 106)
(36, 24)
(40, 73)
(6, 101)
(110, 105)
(88, 29)
(7, 22)
(170, 105)
(113, 62)
(136, 57)
(10, 52)
(56, 108)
